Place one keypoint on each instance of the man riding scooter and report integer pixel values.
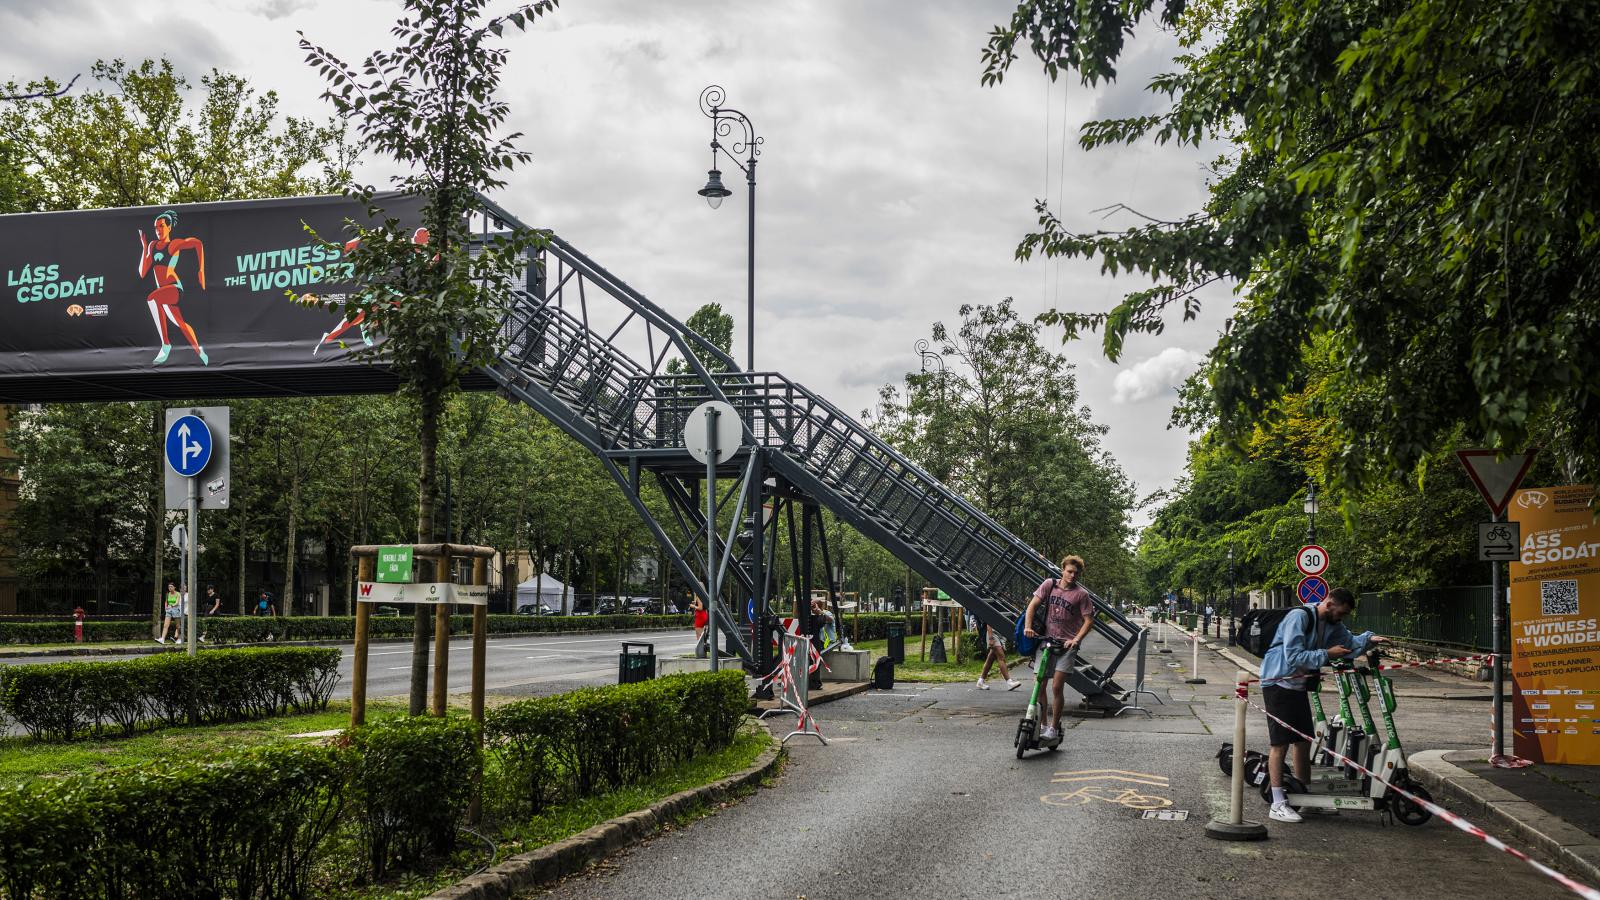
(1307, 638)
(1069, 614)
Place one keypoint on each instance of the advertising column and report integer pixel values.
(1555, 626)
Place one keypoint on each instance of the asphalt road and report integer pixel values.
(514, 665)
(920, 794)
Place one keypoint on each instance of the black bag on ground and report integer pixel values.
(883, 673)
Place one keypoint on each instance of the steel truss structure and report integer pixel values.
(593, 355)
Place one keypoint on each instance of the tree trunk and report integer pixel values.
(430, 404)
(666, 580)
(158, 516)
(566, 574)
(292, 556)
(100, 556)
(244, 548)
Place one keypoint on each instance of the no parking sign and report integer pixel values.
(1312, 589)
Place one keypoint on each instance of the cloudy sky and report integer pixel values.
(893, 187)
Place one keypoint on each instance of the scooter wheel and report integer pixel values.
(1225, 760)
(1409, 811)
(1025, 732)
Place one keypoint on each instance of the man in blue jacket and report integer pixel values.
(1307, 638)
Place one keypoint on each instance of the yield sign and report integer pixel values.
(1496, 478)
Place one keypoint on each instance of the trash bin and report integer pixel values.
(897, 641)
(635, 665)
(883, 673)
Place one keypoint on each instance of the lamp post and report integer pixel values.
(940, 471)
(722, 121)
(1311, 511)
(1232, 631)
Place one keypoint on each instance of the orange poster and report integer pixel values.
(1555, 626)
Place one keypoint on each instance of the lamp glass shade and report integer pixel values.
(1311, 504)
(714, 190)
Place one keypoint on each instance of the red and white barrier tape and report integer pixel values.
(784, 673)
(1413, 665)
(1577, 887)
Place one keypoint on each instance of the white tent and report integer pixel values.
(546, 589)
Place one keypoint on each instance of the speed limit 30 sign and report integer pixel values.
(1311, 560)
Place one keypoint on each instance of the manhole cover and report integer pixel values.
(1166, 815)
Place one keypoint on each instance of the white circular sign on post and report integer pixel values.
(1311, 560)
(730, 433)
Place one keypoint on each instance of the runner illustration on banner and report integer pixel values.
(418, 237)
(160, 256)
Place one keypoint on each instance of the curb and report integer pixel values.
(145, 650)
(572, 855)
(1573, 849)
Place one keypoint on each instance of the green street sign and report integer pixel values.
(394, 565)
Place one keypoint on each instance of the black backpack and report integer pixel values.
(1263, 633)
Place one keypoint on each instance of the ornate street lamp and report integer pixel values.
(723, 120)
(922, 346)
(1311, 511)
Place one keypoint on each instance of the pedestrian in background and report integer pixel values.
(172, 614)
(997, 654)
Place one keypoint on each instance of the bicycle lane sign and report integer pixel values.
(1499, 541)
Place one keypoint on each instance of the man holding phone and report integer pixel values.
(1307, 638)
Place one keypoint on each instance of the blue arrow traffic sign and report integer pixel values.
(188, 446)
(1312, 589)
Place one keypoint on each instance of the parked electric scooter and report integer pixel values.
(1340, 785)
(1028, 729)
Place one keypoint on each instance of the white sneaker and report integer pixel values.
(1283, 812)
(162, 639)
(983, 685)
(1014, 684)
(1047, 733)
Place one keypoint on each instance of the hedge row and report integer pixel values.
(68, 700)
(251, 824)
(60, 631)
(271, 821)
(549, 750)
(254, 629)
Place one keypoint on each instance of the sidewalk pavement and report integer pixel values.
(1555, 808)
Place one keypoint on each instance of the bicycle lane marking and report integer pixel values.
(1116, 787)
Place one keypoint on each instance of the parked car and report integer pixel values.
(643, 606)
(535, 609)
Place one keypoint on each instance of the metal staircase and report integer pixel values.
(590, 353)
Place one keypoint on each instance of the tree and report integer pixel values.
(141, 139)
(1001, 423)
(430, 105)
(1426, 204)
(715, 326)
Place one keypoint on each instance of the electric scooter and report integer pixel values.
(1028, 729)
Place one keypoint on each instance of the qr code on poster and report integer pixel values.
(1558, 598)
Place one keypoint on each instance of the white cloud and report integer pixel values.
(1158, 376)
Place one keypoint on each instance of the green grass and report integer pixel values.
(22, 758)
(559, 823)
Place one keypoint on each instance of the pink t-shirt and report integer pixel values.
(1066, 608)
